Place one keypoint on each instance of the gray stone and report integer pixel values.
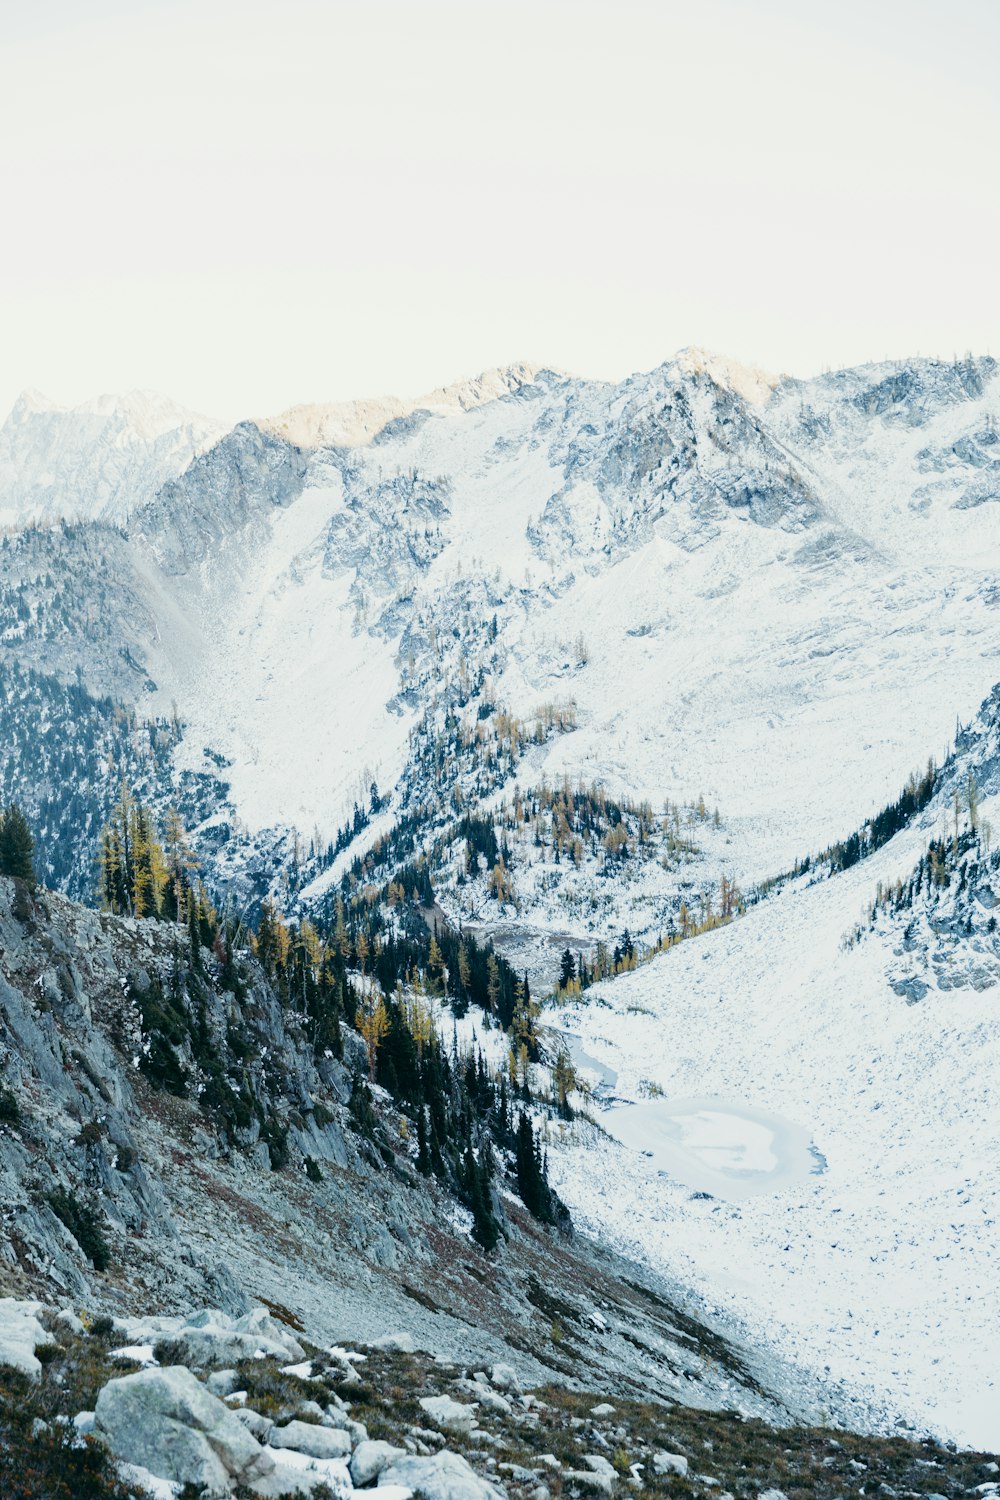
(255, 1422)
(309, 1438)
(670, 1463)
(602, 1484)
(370, 1458)
(599, 1465)
(395, 1343)
(453, 1416)
(440, 1476)
(221, 1382)
(20, 1335)
(506, 1378)
(167, 1422)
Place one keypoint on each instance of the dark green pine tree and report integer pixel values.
(477, 1188)
(17, 847)
(423, 1154)
(531, 1183)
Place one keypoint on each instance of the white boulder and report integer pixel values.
(20, 1335)
(670, 1463)
(441, 1476)
(166, 1421)
(370, 1458)
(451, 1416)
(310, 1438)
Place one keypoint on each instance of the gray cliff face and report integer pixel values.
(232, 486)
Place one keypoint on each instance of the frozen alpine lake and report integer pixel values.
(716, 1146)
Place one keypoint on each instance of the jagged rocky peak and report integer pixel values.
(754, 384)
(99, 460)
(352, 424)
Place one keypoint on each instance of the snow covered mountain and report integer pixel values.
(95, 462)
(772, 593)
(599, 647)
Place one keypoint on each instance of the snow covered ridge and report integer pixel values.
(99, 461)
(350, 424)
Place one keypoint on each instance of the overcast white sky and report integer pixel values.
(250, 204)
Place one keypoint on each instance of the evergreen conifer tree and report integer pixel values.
(17, 846)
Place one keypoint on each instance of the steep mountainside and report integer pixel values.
(169, 1138)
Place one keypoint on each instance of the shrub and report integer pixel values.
(83, 1224)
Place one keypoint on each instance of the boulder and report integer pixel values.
(310, 1438)
(20, 1335)
(451, 1416)
(506, 1378)
(597, 1464)
(670, 1463)
(167, 1422)
(211, 1337)
(441, 1476)
(370, 1458)
(587, 1479)
(492, 1400)
(255, 1422)
(395, 1343)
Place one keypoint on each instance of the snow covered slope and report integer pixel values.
(871, 1024)
(703, 582)
(97, 461)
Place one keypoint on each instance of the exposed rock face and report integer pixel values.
(166, 1421)
(185, 1208)
(98, 461)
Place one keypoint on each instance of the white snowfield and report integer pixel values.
(879, 1275)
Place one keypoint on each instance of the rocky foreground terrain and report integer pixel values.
(105, 1409)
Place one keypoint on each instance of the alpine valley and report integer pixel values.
(505, 879)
